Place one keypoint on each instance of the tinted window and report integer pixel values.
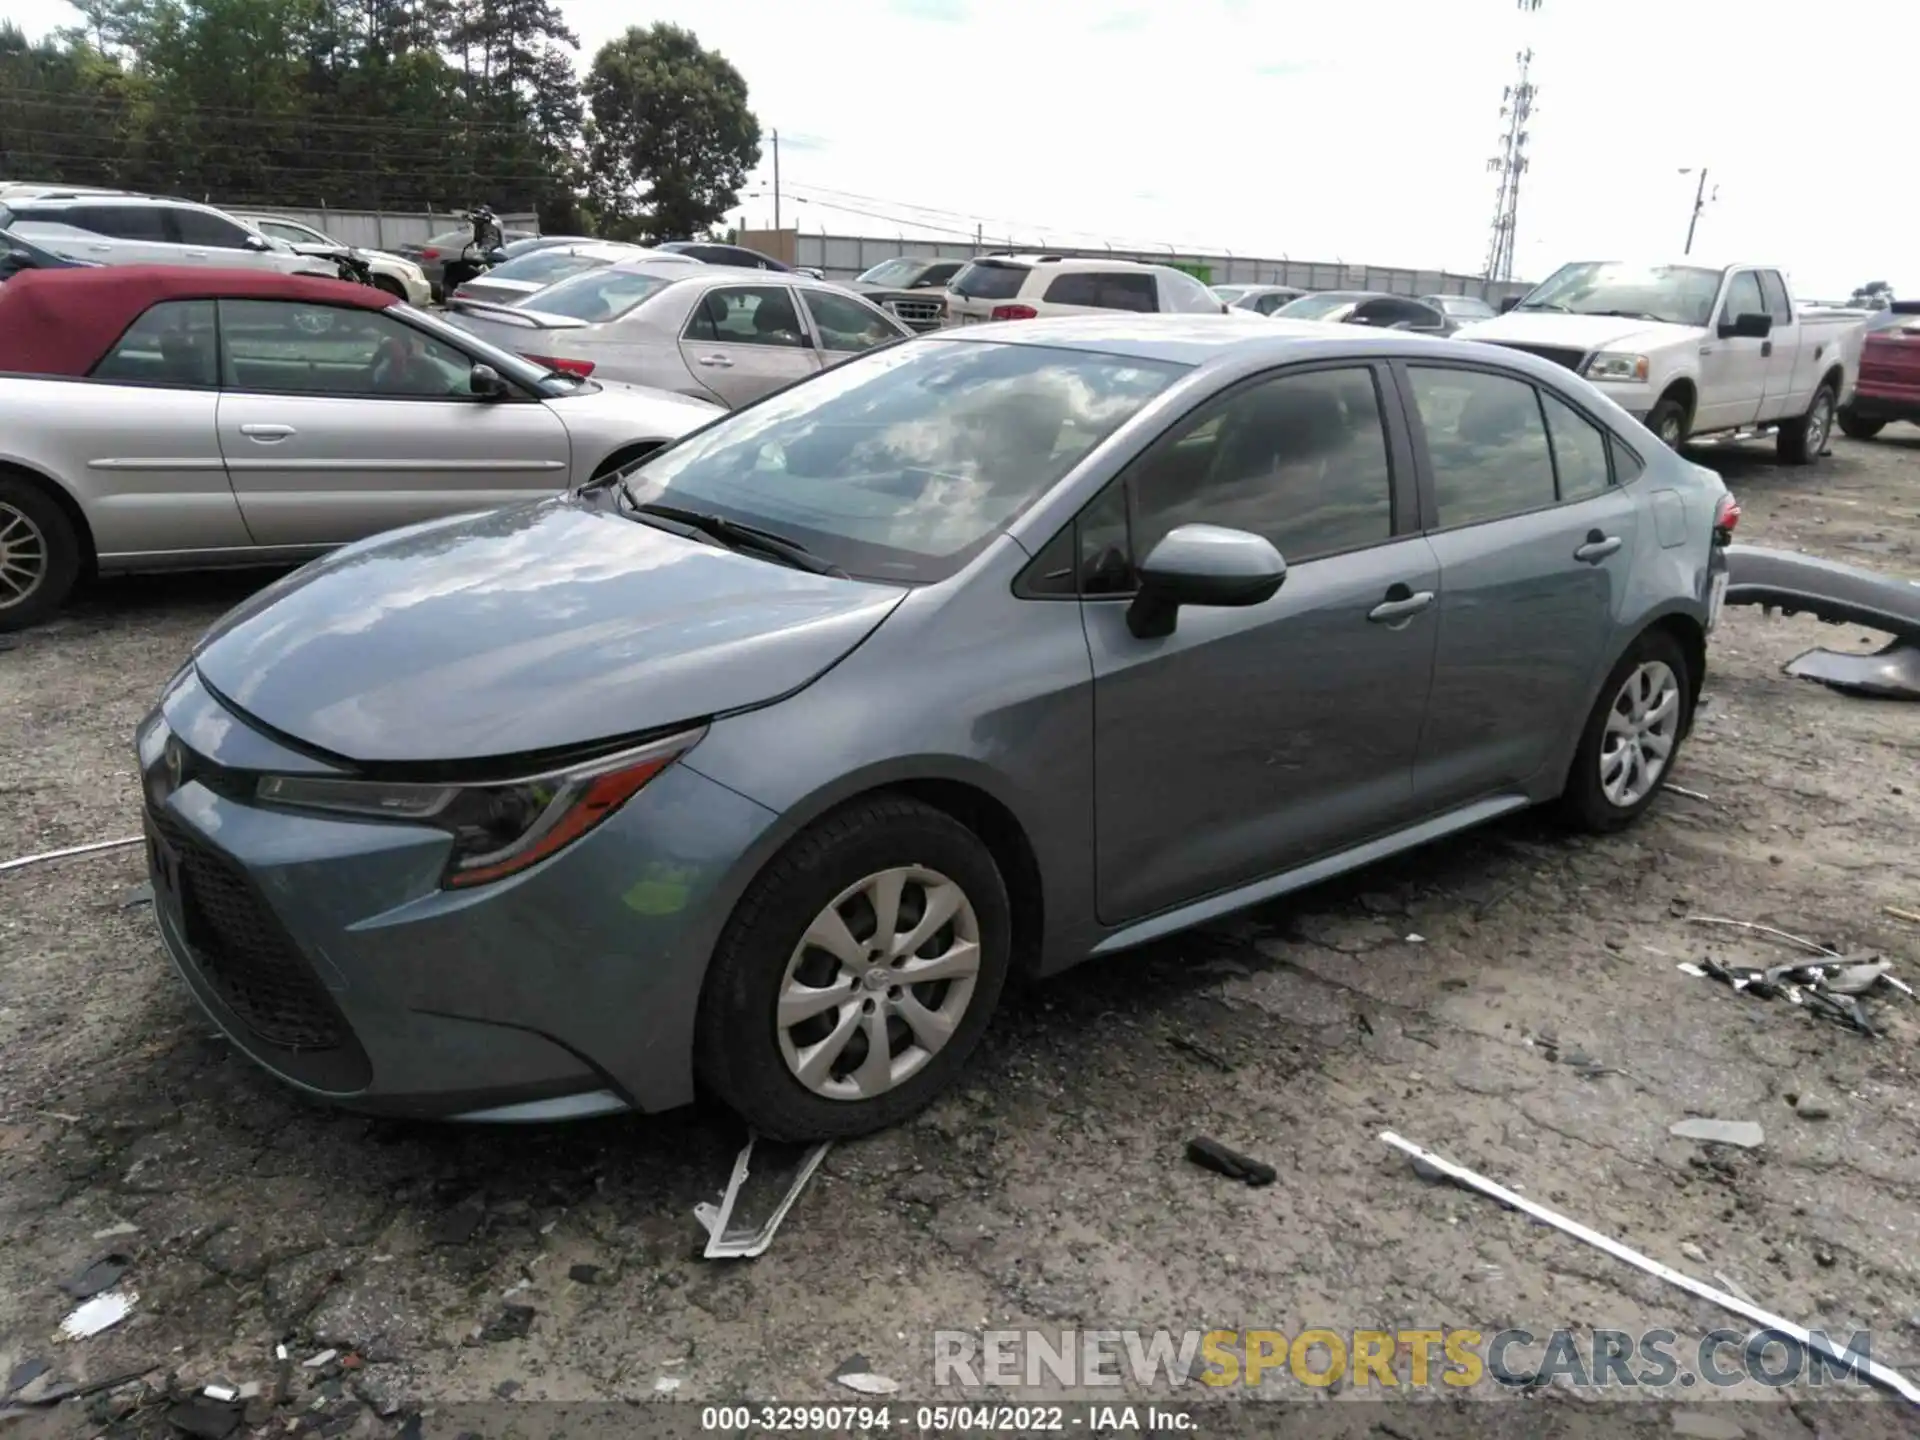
(597, 296)
(1464, 307)
(1330, 305)
(1743, 297)
(197, 227)
(990, 280)
(1300, 459)
(845, 324)
(1186, 295)
(122, 222)
(1385, 314)
(1487, 443)
(1268, 303)
(1103, 290)
(903, 463)
(172, 344)
(292, 234)
(939, 274)
(900, 271)
(747, 315)
(1579, 450)
(1774, 291)
(283, 346)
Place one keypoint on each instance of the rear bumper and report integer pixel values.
(1886, 403)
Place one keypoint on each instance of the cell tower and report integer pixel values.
(1516, 108)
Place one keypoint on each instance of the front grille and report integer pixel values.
(1559, 355)
(921, 311)
(244, 955)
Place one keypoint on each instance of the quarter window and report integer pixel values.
(172, 344)
(284, 347)
(1104, 291)
(197, 227)
(1579, 450)
(1487, 444)
(747, 315)
(1299, 458)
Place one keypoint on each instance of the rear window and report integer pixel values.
(1329, 305)
(598, 295)
(546, 266)
(990, 280)
(1105, 291)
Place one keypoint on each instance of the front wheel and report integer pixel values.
(40, 554)
(1858, 427)
(1804, 440)
(857, 974)
(1632, 736)
(1668, 420)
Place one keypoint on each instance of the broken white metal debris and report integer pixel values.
(1690, 794)
(1799, 940)
(98, 846)
(725, 1245)
(223, 1393)
(868, 1384)
(1865, 1368)
(323, 1358)
(666, 1385)
(102, 1312)
(1743, 1133)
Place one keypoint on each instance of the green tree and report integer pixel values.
(671, 140)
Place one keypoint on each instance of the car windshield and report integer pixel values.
(1332, 305)
(903, 464)
(1464, 305)
(901, 271)
(546, 266)
(1227, 294)
(1678, 294)
(598, 295)
(989, 280)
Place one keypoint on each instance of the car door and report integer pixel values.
(205, 238)
(340, 422)
(155, 483)
(129, 234)
(844, 326)
(1535, 545)
(1251, 740)
(1782, 398)
(743, 341)
(1733, 368)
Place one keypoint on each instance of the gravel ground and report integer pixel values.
(1051, 1190)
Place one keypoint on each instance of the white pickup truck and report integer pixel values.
(1698, 353)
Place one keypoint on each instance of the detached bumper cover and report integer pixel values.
(1839, 594)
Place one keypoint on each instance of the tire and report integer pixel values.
(40, 554)
(742, 1054)
(1858, 427)
(1587, 802)
(1803, 441)
(1668, 420)
(392, 287)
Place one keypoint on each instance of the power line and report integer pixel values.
(240, 114)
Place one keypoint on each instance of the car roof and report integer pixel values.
(62, 322)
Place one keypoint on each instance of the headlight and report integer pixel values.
(497, 829)
(1617, 367)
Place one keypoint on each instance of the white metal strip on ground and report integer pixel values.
(99, 845)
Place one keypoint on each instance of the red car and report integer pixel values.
(1889, 386)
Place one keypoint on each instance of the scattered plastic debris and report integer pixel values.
(514, 1322)
(1744, 1133)
(584, 1274)
(116, 1230)
(141, 894)
(98, 847)
(324, 1358)
(856, 1373)
(102, 1274)
(24, 1374)
(206, 1418)
(727, 1242)
(1687, 967)
(102, 1312)
(1200, 1052)
(1416, 939)
(279, 1352)
(1830, 990)
(222, 1393)
(1800, 940)
(1690, 794)
(1812, 1107)
(1210, 1154)
(1851, 1361)
(1899, 914)
(666, 1385)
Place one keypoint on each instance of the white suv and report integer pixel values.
(1027, 287)
(111, 229)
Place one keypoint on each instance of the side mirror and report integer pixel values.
(1511, 301)
(487, 383)
(259, 242)
(1203, 565)
(1746, 327)
(496, 256)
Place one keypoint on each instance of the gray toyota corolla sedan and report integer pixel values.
(767, 763)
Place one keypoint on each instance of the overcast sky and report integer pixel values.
(1358, 132)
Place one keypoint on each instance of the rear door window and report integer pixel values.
(747, 315)
(1486, 442)
(122, 222)
(197, 227)
(172, 344)
(990, 280)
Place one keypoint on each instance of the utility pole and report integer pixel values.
(1511, 163)
(776, 180)
(1699, 204)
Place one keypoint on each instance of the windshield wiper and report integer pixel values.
(1544, 305)
(736, 536)
(1630, 315)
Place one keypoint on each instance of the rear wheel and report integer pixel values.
(1858, 427)
(392, 286)
(1632, 736)
(1668, 420)
(1803, 441)
(857, 974)
(39, 554)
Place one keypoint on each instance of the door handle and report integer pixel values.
(1597, 548)
(1400, 604)
(266, 434)
(1766, 349)
(717, 362)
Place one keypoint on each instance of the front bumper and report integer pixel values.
(325, 950)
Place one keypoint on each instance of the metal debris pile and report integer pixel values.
(1830, 987)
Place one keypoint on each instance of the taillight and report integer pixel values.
(582, 368)
(1015, 312)
(429, 253)
(1725, 519)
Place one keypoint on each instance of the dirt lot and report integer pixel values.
(1051, 1191)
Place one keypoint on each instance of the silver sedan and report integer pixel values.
(711, 331)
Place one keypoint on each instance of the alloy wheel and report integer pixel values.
(23, 556)
(1670, 432)
(1819, 422)
(1642, 727)
(879, 983)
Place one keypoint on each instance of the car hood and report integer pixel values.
(1577, 332)
(535, 628)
